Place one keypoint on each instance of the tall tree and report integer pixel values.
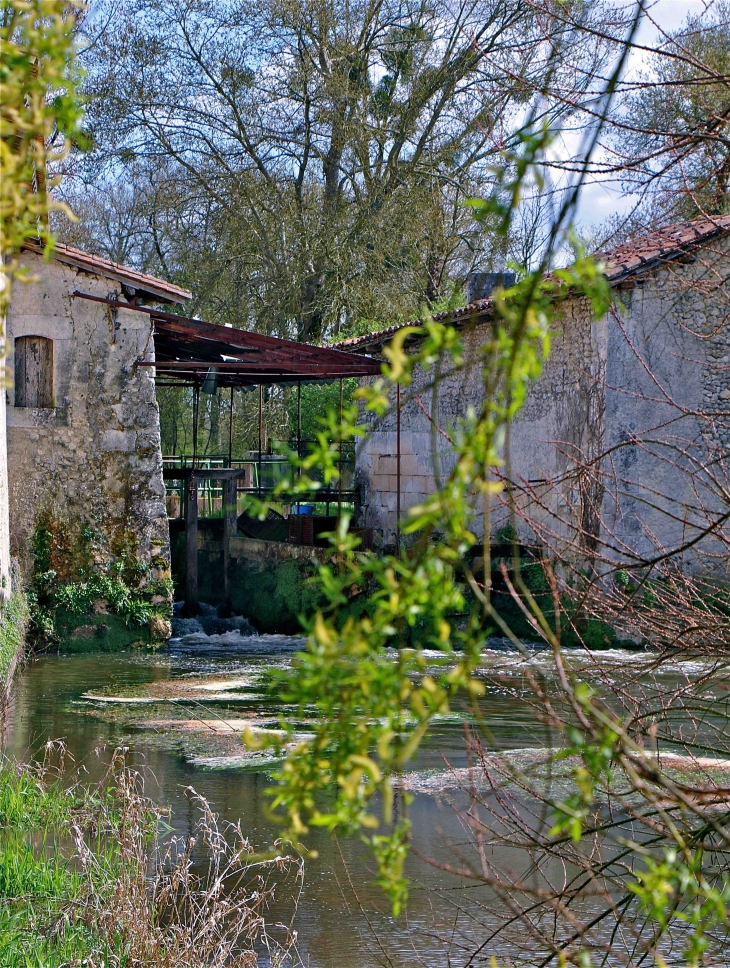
(673, 139)
(40, 114)
(321, 152)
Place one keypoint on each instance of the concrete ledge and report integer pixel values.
(32, 418)
(275, 550)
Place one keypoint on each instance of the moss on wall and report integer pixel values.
(82, 599)
(97, 633)
(274, 594)
(271, 592)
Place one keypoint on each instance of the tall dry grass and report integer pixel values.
(143, 896)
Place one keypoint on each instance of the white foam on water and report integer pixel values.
(122, 700)
(605, 660)
(234, 760)
(463, 778)
(219, 697)
(241, 683)
(234, 640)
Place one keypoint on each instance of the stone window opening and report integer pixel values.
(34, 372)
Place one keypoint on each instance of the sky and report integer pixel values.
(598, 201)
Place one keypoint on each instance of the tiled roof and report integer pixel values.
(661, 246)
(482, 307)
(145, 285)
(626, 261)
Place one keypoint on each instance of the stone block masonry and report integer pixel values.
(90, 464)
(619, 453)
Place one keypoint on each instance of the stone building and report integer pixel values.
(620, 452)
(83, 432)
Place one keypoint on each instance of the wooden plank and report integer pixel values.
(34, 372)
(45, 380)
(20, 372)
(191, 545)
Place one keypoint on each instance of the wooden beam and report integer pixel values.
(191, 544)
(293, 371)
(230, 513)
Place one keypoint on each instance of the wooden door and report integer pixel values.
(34, 372)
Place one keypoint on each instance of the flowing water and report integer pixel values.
(181, 712)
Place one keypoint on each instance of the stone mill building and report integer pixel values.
(620, 452)
(83, 430)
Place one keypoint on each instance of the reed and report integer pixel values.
(94, 875)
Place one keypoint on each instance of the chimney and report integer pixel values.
(481, 285)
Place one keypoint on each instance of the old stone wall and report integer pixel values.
(89, 467)
(558, 435)
(561, 419)
(667, 430)
(429, 409)
(620, 451)
(5, 570)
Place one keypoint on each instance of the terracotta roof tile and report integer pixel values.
(661, 246)
(148, 285)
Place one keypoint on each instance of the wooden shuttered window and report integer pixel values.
(33, 372)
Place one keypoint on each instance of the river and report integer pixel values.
(180, 711)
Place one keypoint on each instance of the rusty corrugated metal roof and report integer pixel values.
(623, 263)
(95, 264)
(191, 350)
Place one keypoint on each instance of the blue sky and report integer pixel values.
(599, 200)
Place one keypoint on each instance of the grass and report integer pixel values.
(13, 622)
(89, 875)
(41, 886)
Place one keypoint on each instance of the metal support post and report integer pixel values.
(230, 433)
(299, 439)
(339, 490)
(196, 407)
(230, 512)
(261, 431)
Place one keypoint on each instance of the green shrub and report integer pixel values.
(14, 615)
(506, 535)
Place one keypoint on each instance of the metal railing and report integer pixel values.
(259, 475)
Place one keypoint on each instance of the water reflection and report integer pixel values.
(186, 732)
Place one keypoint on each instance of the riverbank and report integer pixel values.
(14, 615)
(87, 877)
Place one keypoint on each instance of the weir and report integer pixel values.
(208, 358)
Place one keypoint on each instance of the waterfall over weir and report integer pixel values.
(210, 630)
